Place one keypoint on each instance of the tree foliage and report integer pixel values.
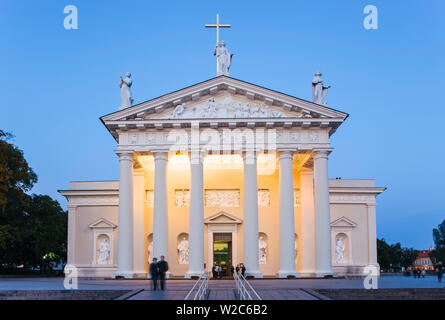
(31, 226)
(390, 256)
(438, 254)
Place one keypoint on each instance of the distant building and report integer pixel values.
(423, 260)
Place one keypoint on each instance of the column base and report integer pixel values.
(376, 267)
(288, 274)
(323, 274)
(254, 273)
(191, 274)
(123, 274)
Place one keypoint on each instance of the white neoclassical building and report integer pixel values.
(223, 172)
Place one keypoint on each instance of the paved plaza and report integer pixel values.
(268, 289)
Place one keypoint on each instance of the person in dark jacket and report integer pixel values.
(163, 268)
(243, 269)
(154, 272)
(439, 270)
(214, 272)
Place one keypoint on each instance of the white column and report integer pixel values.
(139, 250)
(322, 214)
(307, 248)
(71, 249)
(287, 218)
(251, 215)
(125, 219)
(160, 211)
(196, 216)
(372, 240)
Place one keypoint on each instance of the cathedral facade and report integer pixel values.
(223, 172)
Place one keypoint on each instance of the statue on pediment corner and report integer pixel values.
(319, 91)
(126, 95)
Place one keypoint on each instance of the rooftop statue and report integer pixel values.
(223, 57)
(319, 91)
(126, 96)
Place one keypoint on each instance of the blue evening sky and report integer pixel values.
(55, 84)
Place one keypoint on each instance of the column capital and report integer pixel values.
(249, 157)
(321, 153)
(125, 155)
(160, 155)
(285, 154)
(197, 156)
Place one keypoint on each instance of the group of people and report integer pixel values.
(421, 272)
(157, 272)
(218, 271)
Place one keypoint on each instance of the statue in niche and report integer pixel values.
(319, 91)
(150, 252)
(340, 251)
(126, 95)
(296, 249)
(262, 250)
(223, 57)
(104, 251)
(183, 249)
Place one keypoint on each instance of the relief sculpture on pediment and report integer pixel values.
(225, 109)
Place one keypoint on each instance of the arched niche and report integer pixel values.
(183, 248)
(103, 249)
(263, 248)
(150, 247)
(296, 247)
(103, 231)
(341, 249)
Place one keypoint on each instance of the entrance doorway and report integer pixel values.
(222, 252)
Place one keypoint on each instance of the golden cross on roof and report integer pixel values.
(217, 26)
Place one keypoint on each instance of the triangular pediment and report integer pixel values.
(102, 224)
(225, 98)
(343, 222)
(223, 218)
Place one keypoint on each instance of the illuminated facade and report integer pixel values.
(224, 172)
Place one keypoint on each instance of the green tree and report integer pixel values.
(44, 232)
(16, 176)
(438, 254)
(394, 255)
(383, 254)
(409, 255)
(31, 226)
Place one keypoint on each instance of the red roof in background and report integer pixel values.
(423, 254)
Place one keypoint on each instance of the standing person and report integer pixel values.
(218, 271)
(163, 268)
(214, 271)
(423, 272)
(232, 270)
(439, 270)
(237, 269)
(243, 269)
(154, 272)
